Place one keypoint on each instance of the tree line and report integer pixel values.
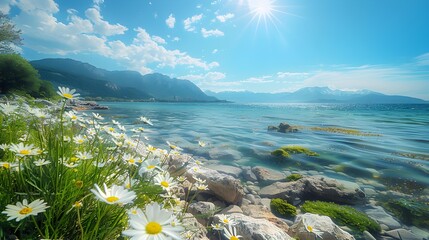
(16, 74)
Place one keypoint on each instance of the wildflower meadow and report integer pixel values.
(72, 175)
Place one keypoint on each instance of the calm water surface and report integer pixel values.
(236, 134)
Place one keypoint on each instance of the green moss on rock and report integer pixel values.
(411, 212)
(343, 215)
(286, 151)
(282, 207)
(294, 177)
(343, 131)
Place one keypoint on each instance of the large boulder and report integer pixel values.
(223, 186)
(315, 188)
(257, 228)
(199, 232)
(306, 226)
(262, 212)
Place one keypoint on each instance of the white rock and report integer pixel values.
(327, 229)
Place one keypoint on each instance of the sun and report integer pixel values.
(263, 11)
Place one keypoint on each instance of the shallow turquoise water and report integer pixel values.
(237, 134)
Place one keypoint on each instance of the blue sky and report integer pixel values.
(254, 45)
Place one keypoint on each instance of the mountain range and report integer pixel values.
(94, 82)
(316, 95)
(91, 81)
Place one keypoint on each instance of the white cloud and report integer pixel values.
(44, 33)
(256, 80)
(190, 21)
(224, 18)
(159, 40)
(101, 26)
(423, 60)
(176, 39)
(5, 6)
(291, 74)
(210, 76)
(215, 51)
(170, 21)
(209, 33)
(97, 4)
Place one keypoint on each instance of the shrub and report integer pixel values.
(282, 207)
(343, 215)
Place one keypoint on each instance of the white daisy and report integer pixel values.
(65, 92)
(148, 166)
(218, 226)
(115, 122)
(84, 155)
(201, 187)
(72, 115)
(154, 223)
(114, 195)
(310, 226)
(8, 165)
(41, 162)
(97, 116)
(231, 233)
(79, 139)
(22, 149)
(130, 159)
(7, 109)
(226, 220)
(165, 181)
(22, 210)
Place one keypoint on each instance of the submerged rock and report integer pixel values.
(315, 188)
(267, 176)
(307, 225)
(382, 217)
(283, 128)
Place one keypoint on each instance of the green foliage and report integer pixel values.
(294, 177)
(282, 207)
(411, 211)
(286, 151)
(9, 36)
(342, 215)
(60, 185)
(16, 74)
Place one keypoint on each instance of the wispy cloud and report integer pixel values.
(208, 77)
(188, 23)
(101, 26)
(423, 60)
(211, 33)
(170, 21)
(224, 18)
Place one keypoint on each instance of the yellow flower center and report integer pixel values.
(26, 210)
(226, 221)
(24, 152)
(151, 167)
(164, 184)
(112, 199)
(233, 238)
(6, 165)
(80, 141)
(131, 161)
(310, 228)
(67, 95)
(74, 117)
(134, 212)
(153, 228)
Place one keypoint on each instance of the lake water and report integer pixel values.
(236, 134)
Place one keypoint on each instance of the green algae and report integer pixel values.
(282, 207)
(411, 212)
(294, 177)
(286, 151)
(347, 131)
(343, 215)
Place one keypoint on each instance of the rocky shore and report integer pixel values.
(245, 195)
